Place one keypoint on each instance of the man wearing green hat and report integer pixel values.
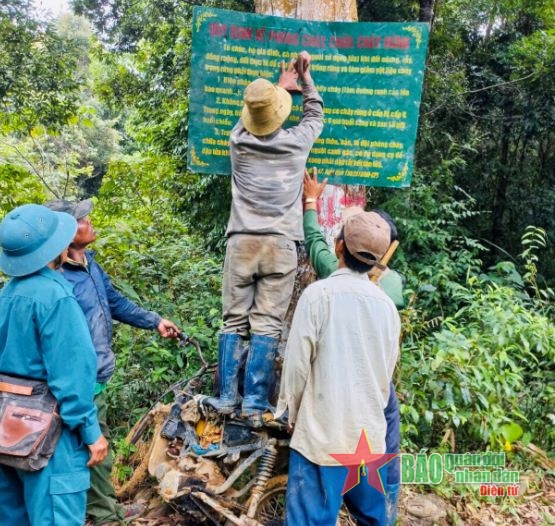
(102, 303)
(42, 330)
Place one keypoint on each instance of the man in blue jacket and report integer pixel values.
(102, 303)
(42, 330)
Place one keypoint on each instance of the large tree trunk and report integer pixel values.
(426, 13)
(335, 197)
(329, 10)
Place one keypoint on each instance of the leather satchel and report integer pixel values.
(30, 425)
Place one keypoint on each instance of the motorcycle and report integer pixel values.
(213, 469)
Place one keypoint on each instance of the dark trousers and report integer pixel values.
(314, 495)
(393, 435)
(102, 505)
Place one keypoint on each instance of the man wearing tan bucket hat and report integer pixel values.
(265, 223)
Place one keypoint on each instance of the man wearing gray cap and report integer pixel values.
(42, 330)
(102, 303)
(339, 361)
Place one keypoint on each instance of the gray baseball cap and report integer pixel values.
(78, 209)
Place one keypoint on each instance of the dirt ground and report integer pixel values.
(535, 507)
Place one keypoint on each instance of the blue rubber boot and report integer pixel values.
(230, 355)
(259, 377)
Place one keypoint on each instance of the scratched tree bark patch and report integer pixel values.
(369, 74)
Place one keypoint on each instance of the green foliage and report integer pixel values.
(490, 84)
(437, 250)
(150, 257)
(533, 240)
(18, 187)
(49, 124)
(205, 202)
(473, 374)
(478, 349)
(38, 83)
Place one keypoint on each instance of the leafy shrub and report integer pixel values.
(18, 187)
(487, 365)
(152, 260)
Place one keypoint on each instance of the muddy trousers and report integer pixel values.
(53, 496)
(259, 274)
(314, 495)
(102, 505)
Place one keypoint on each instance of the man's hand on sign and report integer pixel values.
(288, 78)
(303, 66)
(303, 62)
(312, 190)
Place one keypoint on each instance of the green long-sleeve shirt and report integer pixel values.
(325, 262)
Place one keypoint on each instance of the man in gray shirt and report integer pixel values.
(268, 164)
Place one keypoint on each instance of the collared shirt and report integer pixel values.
(339, 360)
(44, 336)
(267, 174)
(84, 263)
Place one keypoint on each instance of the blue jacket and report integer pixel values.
(102, 303)
(44, 336)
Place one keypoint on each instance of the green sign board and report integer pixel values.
(369, 75)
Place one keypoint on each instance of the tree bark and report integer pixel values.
(426, 13)
(335, 197)
(326, 10)
(504, 175)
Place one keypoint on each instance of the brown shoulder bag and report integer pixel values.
(30, 425)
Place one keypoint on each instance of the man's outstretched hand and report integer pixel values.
(168, 329)
(298, 68)
(288, 78)
(302, 65)
(312, 188)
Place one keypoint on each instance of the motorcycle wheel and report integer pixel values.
(271, 507)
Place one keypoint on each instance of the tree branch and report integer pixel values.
(499, 84)
(33, 169)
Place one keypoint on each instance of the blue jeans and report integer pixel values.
(314, 495)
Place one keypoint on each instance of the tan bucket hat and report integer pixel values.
(266, 107)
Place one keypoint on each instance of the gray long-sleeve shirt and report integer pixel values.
(267, 174)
